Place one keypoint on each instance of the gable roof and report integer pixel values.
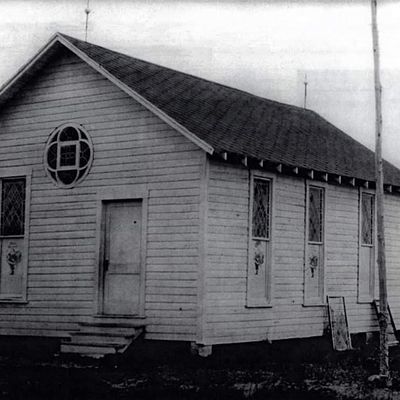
(225, 120)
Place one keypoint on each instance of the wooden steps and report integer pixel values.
(391, 328)
(101, 337)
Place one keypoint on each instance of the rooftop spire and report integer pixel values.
(305, 91)
(87, 12)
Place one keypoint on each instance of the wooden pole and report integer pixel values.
(383, 309)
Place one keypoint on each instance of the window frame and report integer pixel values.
(268, 230)
(322, 228)
(321, 299)
(266, 301)
(2, 235)
(54, 139)
(60, 146)
(373, 218)
(22, 173)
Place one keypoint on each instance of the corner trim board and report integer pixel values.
(203, 216)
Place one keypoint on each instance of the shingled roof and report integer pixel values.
(234, 122)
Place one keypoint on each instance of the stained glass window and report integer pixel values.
(315, 214)
(85, 154)
(68, 155)
(261, 208)
(367, 218)
(13, 207)
(68, 134)
(259, 277)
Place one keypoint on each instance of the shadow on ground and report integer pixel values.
(295, 369)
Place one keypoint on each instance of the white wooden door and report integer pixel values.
(122, 258)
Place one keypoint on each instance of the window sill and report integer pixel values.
(116, 316)
(315, 304)
(259, 305)
(12, 300)
(12, 236)
(365, 300)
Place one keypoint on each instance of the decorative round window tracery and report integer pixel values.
(68, 155)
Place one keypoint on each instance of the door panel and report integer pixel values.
(366, 271)
(122, 258)
(257, 275)
(11, 271)
(122, 294)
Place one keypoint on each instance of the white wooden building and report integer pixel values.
(138, 199)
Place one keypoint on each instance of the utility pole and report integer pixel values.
(383, 307)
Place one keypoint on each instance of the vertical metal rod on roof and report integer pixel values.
(383, 307)
(87, 11)
(305, 90)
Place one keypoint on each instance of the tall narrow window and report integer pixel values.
(12, 230)
(366, 263)
(259, 266)
(261, 209)
(367, 218)
(315, 214)
(314, 262)
(13, 207)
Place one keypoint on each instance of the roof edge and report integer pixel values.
(59, 38)
(136, 96)
(22, 70)
(310, 173)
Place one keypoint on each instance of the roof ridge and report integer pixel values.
(222, 85)
(221, 119)
(231, 132)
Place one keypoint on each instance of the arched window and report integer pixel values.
(68, 155)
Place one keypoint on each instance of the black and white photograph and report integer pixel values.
(200, 199)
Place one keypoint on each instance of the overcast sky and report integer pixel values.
(264, 47)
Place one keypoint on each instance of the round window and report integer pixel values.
(68, 154)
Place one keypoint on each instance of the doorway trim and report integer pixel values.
(118, 193)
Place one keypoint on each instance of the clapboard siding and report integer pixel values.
(131, 146)
(134, 147)
(342, 230)
(227, 319)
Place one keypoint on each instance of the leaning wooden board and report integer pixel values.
(338, 323)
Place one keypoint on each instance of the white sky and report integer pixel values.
(263, 47)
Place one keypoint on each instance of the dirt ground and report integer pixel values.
(293, 370)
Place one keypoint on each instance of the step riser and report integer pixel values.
(124, 321)
(107, 334)
(117, 341)
(87, 350)
(108, 324)
(123, 332)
